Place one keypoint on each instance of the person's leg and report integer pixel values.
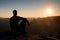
(15, 34)
(24, 31)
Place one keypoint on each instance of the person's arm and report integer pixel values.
(27, 21)
(20, 18)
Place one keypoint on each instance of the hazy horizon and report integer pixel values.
(30, 8)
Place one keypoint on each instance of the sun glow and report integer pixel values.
(49, 11)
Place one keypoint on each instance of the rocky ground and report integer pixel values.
(8, 36)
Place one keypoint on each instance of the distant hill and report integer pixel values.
(46, 25)
(5, 26)
(37, 25)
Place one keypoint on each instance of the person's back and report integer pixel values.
(14, 23)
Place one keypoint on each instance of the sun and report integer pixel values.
(49, 11)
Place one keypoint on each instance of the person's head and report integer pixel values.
(15, 12)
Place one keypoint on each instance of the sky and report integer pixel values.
(30, 8)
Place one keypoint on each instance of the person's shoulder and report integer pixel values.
(11, 17)
(25, 18)
(19, 17)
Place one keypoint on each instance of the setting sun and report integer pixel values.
(49, 11)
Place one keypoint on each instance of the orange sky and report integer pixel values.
(29, 8)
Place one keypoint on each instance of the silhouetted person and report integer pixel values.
(14, 23)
